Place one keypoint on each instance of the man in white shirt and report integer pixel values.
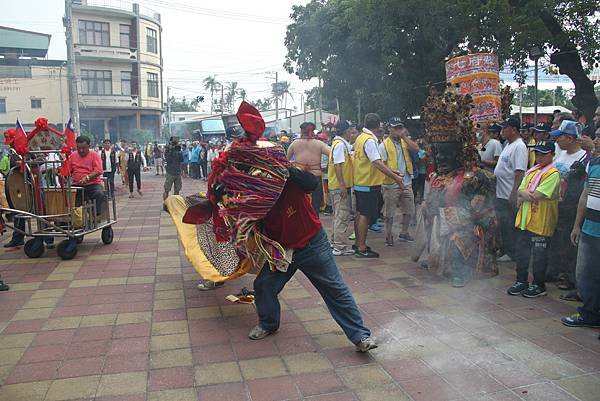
(398, 146)
(509, 171)
(491, 148)
(110, 163)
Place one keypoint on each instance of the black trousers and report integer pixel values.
(530, 246)
(506, 215)
(110, 180)
(94, 192)
(195, 170)
(204, 167)
(317, 196)
(137, 174)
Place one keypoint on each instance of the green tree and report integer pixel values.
(211, 84)
(183, 104)
(263, 104)
(241, 93)
(382, 54)
(230, 94)
(140, 136)
(546, 97)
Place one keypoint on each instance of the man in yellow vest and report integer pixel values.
(536, 221)
(395, 152)
(339, 173)
(369, 173)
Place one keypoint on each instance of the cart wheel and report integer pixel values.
(34, 248)
(107, 235)
(79, 239)
(67, 249)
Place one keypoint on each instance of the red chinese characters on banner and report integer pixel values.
(478, 75)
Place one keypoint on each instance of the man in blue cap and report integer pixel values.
(509, 173)
(570, 160)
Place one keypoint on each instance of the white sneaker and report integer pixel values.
(342, 252)
(504, 259)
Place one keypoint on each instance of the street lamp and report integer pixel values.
(534, 54)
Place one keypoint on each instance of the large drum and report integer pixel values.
(19, 194)
(58, 200)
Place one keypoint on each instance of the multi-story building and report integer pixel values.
(30, 86)
(118, 55)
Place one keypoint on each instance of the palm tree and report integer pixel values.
(231, 89)
(282, 89)
(211, 84)
(242, 94)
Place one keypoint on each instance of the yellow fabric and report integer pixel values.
(364, 173)
(540, 217)
(346, 168)
(188, 237)
(392, 158)
(531, 161)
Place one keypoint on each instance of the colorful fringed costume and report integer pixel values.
(246, 181)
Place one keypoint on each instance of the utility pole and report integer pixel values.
(71, 70)
(276, 98)
(222, 105)
(320, 103)
(169, 109)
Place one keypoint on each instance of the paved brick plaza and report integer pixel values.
(125, 322)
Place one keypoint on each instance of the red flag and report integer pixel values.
(20, 141)
(70, 135)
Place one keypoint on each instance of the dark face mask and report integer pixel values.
(447, 156)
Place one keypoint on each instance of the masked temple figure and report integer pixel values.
(457, 223)
(257, 217)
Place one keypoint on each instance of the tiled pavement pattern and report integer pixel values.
(125, 322)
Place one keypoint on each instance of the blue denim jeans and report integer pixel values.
(588, 277)
(316, 261)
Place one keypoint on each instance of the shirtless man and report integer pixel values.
(306, 153)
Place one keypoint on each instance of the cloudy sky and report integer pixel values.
(237, 40)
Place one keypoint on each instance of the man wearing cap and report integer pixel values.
(306, 153)
(395, 152)
(369, 173)
(491, 148)
(339, 172)
(586, 235)
(536, 221)
(509, 173)
(570, 160)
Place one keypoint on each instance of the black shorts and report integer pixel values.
(367, 203)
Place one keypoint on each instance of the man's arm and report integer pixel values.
(581, 207)
(412, 145)
(388, 172)
(515, 189)
(325, 149)
(143, 160)
(290, 152)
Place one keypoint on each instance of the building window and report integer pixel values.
(124, 35)
(152, 44)
(95, 82)
(152, 84)
(126, 83)
(36, 103)
(94, 33)
(2, 106)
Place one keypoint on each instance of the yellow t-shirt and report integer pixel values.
(541, 217)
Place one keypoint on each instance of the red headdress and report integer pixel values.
(251, 121)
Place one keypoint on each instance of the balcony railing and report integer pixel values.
(124, 5)
(106, 52)
(108, 101)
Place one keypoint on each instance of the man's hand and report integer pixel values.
(343, 194)
(145, 168)
(513, 199)
(400, 181)
(575, 235)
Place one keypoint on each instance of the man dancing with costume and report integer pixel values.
(260, 201)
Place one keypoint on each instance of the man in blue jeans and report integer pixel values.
(587, 237)
(295, 225)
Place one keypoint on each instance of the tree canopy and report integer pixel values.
(381, 55)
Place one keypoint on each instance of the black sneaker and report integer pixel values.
(405, 237)
(368, 253)
(4, 286)
(12, 244)
(577, 321)
(517, 288)
(534, 291)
